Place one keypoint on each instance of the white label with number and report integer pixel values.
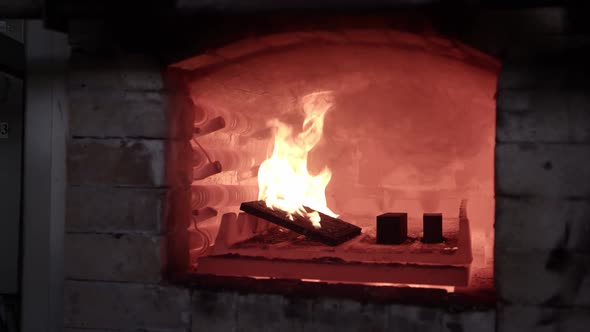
(3, 129)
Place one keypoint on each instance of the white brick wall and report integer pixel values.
(122, 71)
(540, 169)
(109, 209)
(126, 306)
(542, 277)
(543, 115)
(542, 223)
(118, 113)
(121, 162)
(228, 311)
(542, 255)
(120, 190)
(540, 319)
(114, 257)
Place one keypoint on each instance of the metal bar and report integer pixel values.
(194, 6)
(272, 5)
(44, 179)
(113, 8)
(11, 147)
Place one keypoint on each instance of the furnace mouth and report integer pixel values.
(403, 149)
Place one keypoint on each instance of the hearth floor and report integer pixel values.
(279, 243)
(280, 253)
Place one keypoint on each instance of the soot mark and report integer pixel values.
(548, 165)
(571, 272)
(454, 327)
(559, 258)
(208, 303)
(548, 319)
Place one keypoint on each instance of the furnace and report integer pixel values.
(353, 123)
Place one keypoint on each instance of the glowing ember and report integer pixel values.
(283, 179)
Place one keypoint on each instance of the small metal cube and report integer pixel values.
(432, 227)
(392, 228)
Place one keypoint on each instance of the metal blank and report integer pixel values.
(432, 226)
(392, 228)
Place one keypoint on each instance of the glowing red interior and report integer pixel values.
(412, 129)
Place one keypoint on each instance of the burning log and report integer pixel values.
(333, 231)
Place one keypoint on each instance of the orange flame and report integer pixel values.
(283, 179)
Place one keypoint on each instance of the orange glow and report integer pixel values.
(283, 179)
(449, 289)
(385, 121)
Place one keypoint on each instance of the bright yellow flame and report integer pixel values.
(283, 179)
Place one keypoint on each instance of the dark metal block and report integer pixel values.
(392, 228)
(432, 226)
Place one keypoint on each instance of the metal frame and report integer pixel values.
(11, 56)
(57, 10)
(11, 146)
(44, 179)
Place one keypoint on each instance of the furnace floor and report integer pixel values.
(280, 243)
(280, 253)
